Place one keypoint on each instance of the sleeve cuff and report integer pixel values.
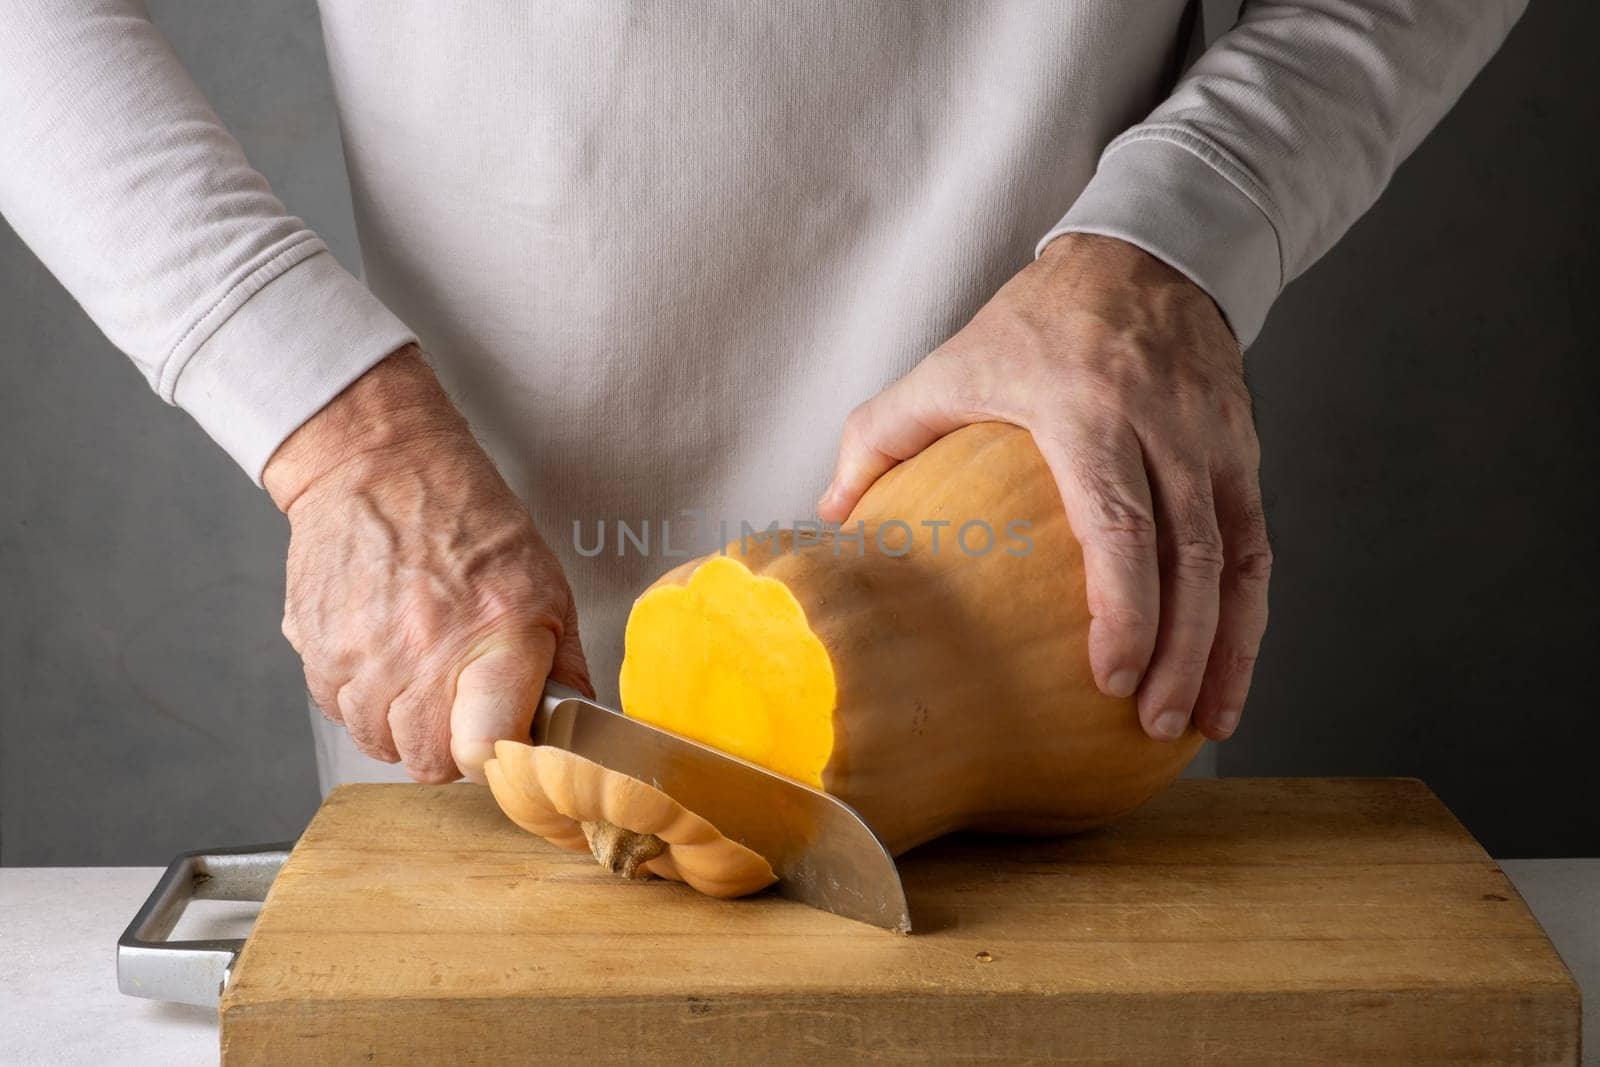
(1177, 198)
(282, 354)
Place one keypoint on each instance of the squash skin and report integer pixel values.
(575, 803)
(964, 694)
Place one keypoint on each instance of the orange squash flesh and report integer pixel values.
(728, 659)
(935, 687)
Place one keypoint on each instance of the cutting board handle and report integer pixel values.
(192, 972)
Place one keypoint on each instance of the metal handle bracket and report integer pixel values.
(192, 972)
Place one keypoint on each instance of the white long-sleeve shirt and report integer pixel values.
(657, 252)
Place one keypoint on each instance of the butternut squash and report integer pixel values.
(928, 663)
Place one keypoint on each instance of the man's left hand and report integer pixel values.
(1133, 388)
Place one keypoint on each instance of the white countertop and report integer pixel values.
(58, 983)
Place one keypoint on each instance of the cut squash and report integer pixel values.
(928, 664)
(935, 686)
(631, 828)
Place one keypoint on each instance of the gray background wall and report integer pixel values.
(1425, 399)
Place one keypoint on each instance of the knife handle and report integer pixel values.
(555, 694)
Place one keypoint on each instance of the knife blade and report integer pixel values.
(824, 854)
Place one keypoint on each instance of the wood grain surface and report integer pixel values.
(1231, 921)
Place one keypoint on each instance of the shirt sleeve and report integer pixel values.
(1281, 134)
(118, 175)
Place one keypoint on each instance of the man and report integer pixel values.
(627, 261)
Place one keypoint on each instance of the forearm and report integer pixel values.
(124, 182)
(1282, 134)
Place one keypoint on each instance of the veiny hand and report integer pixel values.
(1133, 388)
(425, 606)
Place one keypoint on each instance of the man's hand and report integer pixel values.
(425, 606)
(1133, 388)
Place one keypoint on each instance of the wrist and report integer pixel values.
(396, 404)
(1109, 257)
(1114, 264)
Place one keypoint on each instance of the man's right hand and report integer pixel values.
(425, 606)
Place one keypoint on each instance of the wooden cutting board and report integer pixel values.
(1235, 921)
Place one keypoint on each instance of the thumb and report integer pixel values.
(893, 426)
(496, 693)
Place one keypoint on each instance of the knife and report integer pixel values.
(824, 854)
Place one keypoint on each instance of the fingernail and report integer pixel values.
(1170, 724)
(827, 498)
(1226, 721)
(1123, 682)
